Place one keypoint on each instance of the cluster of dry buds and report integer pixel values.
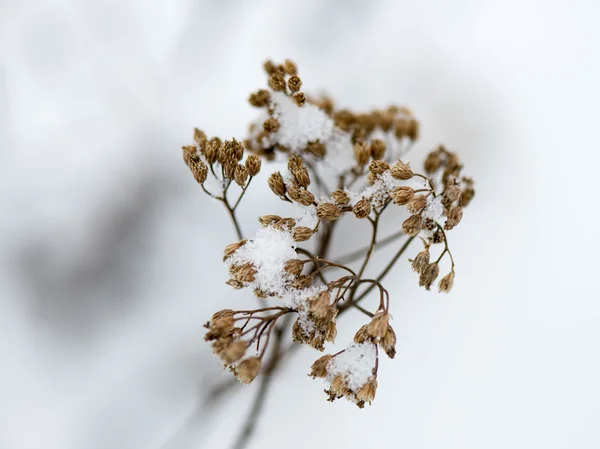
(340, 165)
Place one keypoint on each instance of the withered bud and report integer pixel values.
(285, 224)
(253, 164)
(237, 149)
(230, 249)
(455, 214)
(229, 168)
(412, 131)
(467, 196)
(433, 162)
(338, 385)
(402, 171)
(377, 148)
(417, 204)
(420, 262)
(388, 342)
(366, 393)
(241, 175)
(212, 150)
(235, 284)
(378, 325)
(243, 273)
(362, 335)
(248, 369)
(378, 167)
(301, 234)
(429, 275)
(319, 367)
(276, 184)
(401, 195)
(200, 139)
(277, 82)
(328, 211)
(290, 67)
(372, 178)
(401, 128)
(321, 308)
(267, 220)
(269, 67)
(452, 193)
(221, 324)
(361, 153)
(340, 197)
(199, 170)
(446, 283)
(225, 313)
(260, 98)
(297, 332)
(271, 125)
(330, 331)
(412, 225)
(294, 267)
(299, 98)
(294, 83)
(317, 149)
(301, 282)
(300, 195)
(299, 170)
(233, 352)
(362, 208)
(189, 153)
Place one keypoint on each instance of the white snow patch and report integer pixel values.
(356, 364)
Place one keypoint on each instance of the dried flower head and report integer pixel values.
(248, 369)
(401, 195)
(276, 184)
(328, 211)
(429, 275)
(402, 171)
(446, 283)
(412, 225)
(362, 208)
(301, 234)
(253, 164)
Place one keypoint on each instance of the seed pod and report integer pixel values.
(241, 175)
(200, 139)
(277, 82)
(301, 234)
(446, 283)
(301, 195)
(328, 211)
(420, 261)
(412, 131)
(267, 220)
(285, 224)
(199, 170)
(317, 149)
(452, 193)
(412, 225)
(289, 67)
(294, 83)
(276, 184)
(361, 153)
(428, 275)
(319, 367)
(299, 98)
(230, 249)
(362, 335)
(248, 369)
(377, 327)
(320, 308)
(330, 331)
(212, 150)
(298, 170)
(377, 148)
(366, 393)
(340, 198)
(271, 125)
(454, 216)
(260, 98)
(362, 208)
(402, 171)
(388, 342)
(417, 204)
(253, 164)
(233, 352)
(378, 167)
(402, 195)
(294, 267)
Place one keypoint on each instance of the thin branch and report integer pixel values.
(354, 255)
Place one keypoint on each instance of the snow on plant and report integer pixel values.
(339, 164)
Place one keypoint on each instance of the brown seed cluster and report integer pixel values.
(305, 282)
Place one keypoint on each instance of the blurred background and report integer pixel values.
(109, 261)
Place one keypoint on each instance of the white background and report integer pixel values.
(109, 261)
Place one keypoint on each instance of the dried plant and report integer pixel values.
(339, 164)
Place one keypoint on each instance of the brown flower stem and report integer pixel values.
(242, 194)
(381, 275)
(231, 211)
